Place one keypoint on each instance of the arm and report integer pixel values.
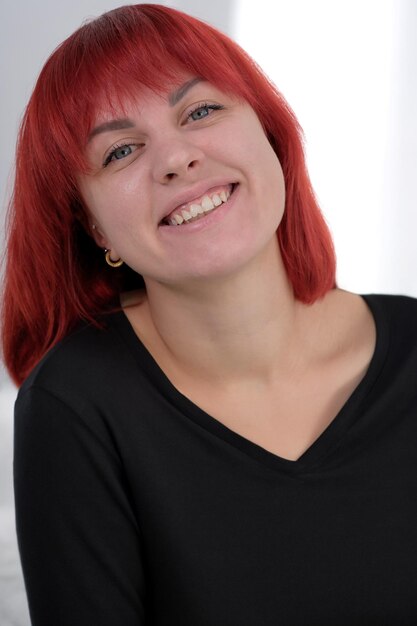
(79, 540)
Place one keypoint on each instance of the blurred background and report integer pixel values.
(348, 70)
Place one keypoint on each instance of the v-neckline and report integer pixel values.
(323, 445)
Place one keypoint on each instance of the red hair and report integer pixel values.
(55, 275)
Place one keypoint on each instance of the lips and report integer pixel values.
(196, 204)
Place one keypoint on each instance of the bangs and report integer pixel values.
(108, 61)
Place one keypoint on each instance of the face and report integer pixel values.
(184, 185)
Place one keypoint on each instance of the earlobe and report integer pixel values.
(98, 237)
(110, 261)
(109, 254)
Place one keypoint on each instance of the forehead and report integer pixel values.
(119, 103)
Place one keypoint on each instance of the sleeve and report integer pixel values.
(79, 540)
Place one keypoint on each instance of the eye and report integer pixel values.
(120, 152)
(202, 110)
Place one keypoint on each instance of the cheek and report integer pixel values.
(271, 183)
(92, 198)
(107, 205)
(260, 155)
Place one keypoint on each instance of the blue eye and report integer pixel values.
(203, 110)
(119, 152)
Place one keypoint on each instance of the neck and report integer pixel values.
(239, 327)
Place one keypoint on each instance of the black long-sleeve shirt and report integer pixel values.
(135, 507)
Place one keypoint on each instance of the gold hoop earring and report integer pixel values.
(110, 261)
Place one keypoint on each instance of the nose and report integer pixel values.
(176, 157)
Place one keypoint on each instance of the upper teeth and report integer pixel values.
(208, 203)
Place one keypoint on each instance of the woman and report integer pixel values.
(209, 431)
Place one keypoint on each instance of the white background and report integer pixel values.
(349, 71)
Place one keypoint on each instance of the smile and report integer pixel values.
(194, 210)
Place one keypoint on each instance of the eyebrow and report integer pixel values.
(118, 124)
(123, 123)
(179, 93)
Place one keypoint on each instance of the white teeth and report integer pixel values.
(216, 200)
(195, 209)
(187, 216)
(207, 204)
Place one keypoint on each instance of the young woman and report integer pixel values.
(209, 431)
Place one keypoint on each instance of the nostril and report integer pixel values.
(179, 168)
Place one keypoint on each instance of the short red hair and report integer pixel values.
(55, 275)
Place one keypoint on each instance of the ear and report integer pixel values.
(101, 240)
(98, 236)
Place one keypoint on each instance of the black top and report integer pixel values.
(135, 507)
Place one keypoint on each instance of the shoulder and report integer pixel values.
(90, 362)
(91, 387)
(396, 322)
(354, 325)
(395, 310)
(396, 313)
(393, 305)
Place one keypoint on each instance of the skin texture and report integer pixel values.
(172, 154)
(219, 315)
